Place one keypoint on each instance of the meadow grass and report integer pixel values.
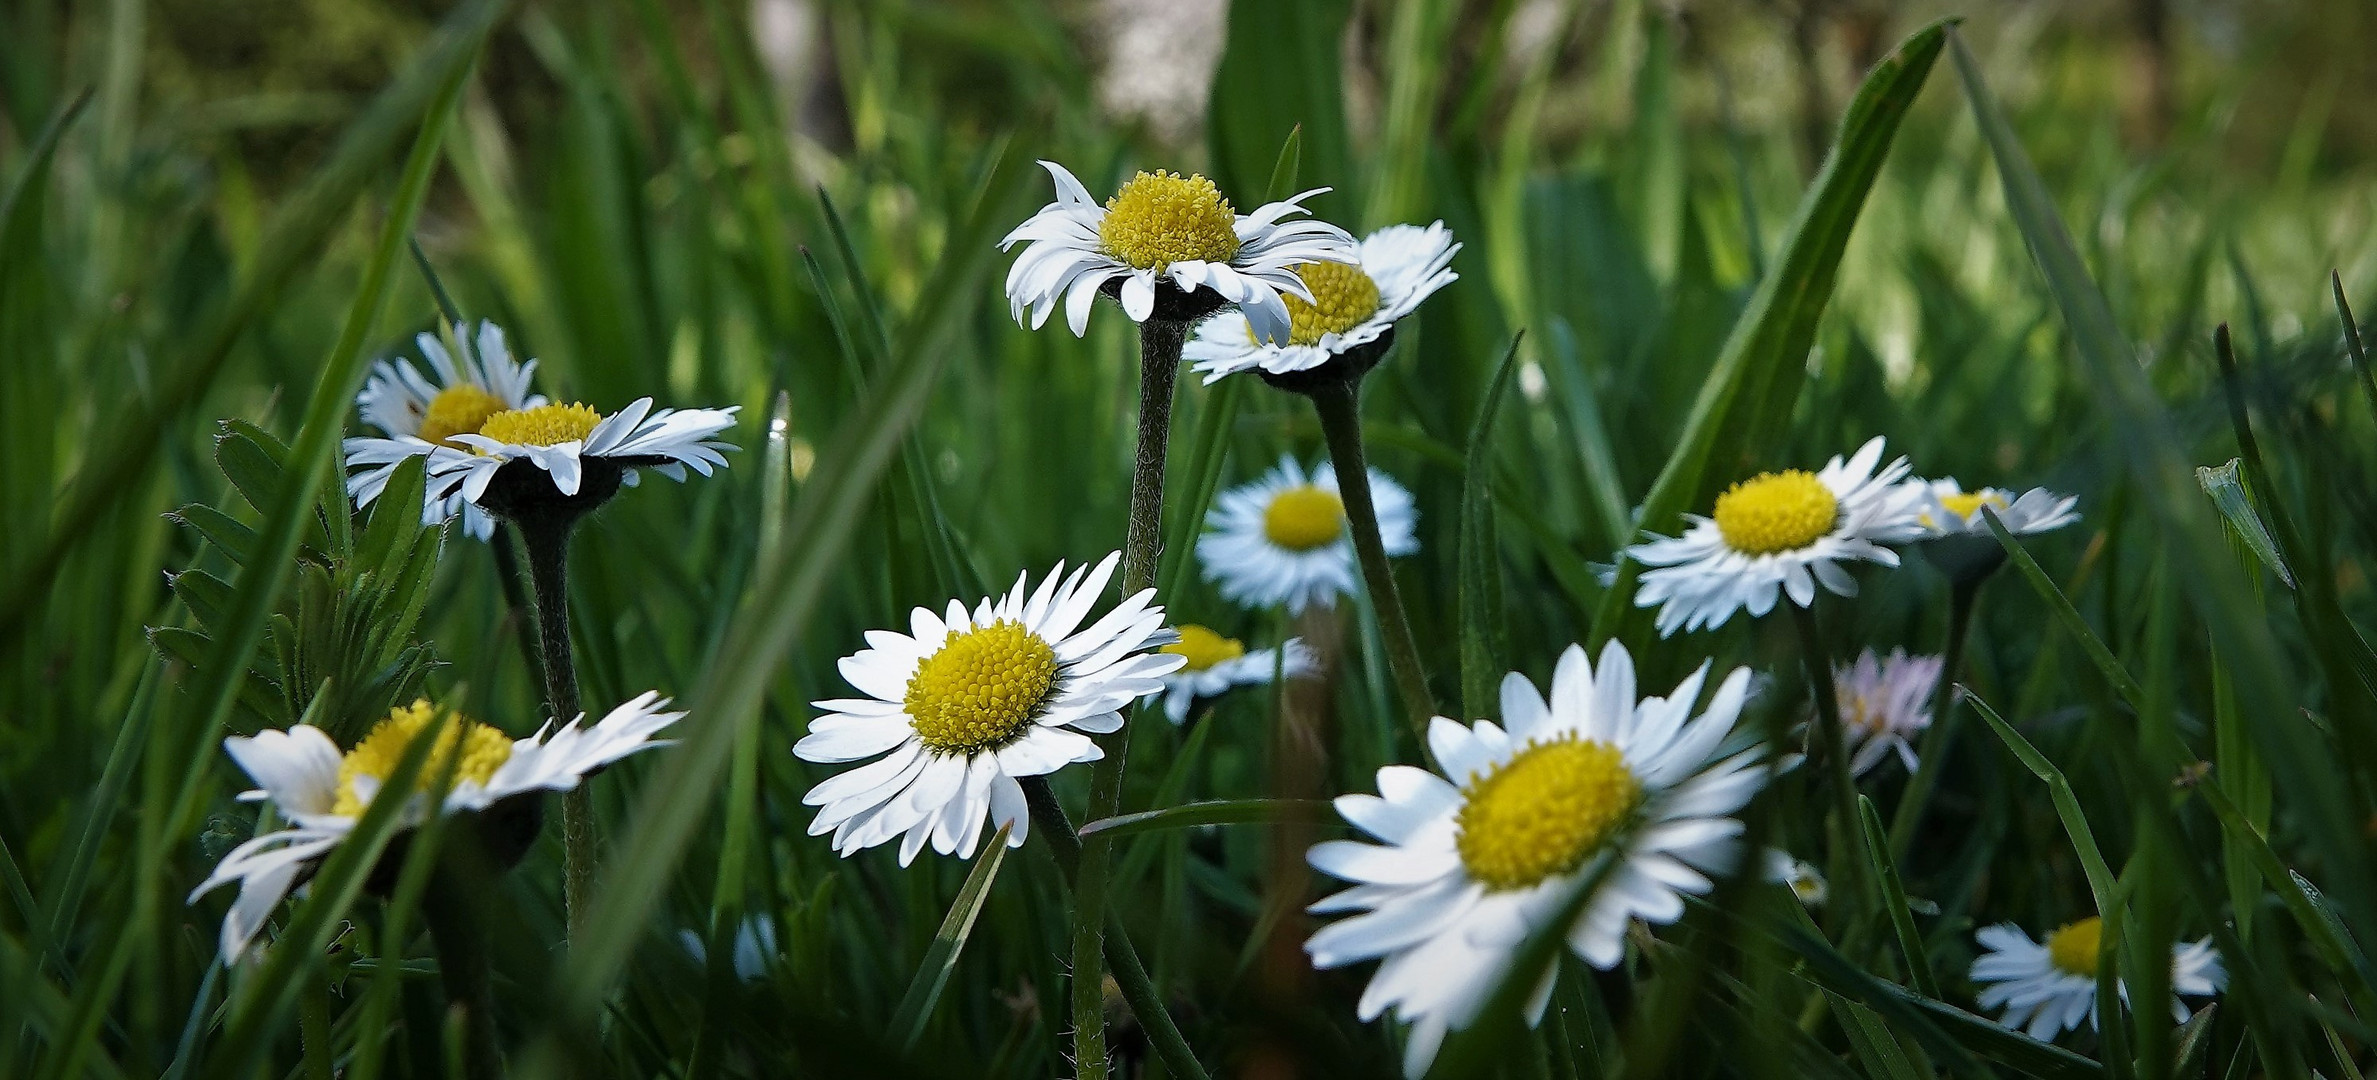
(2168, 714)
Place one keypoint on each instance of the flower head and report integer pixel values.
(574, 455)
(1283, 540)
(1777, 533)
(965, 703)
(2047, 987)
(419, 411)
(1214, 664)
(1353, 306)
(1883, 704)
(1954, 537)
(323, 791)
(1474, 861)
(1156, 243)
(1800, 876)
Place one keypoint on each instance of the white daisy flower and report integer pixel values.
(578, 449)
(1352, 305)
(1943, 509)
(323, 792)
(965, 704)
(1162, 227)
(1216, 664)
(1474, 864)
(755, 946)
(1884, 702)
(2049, 987)
(1283, 540)
(1798, 875)
(417, 412)
(1777, 533)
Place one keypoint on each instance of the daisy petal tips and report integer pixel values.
(2047, 988)
(1468, 864)
(957, 709)
(1778, 534)
(1161, 239)
(1352, 306)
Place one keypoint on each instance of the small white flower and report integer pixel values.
(417, 412)
(1943, 509)
(1352, 304)
(1162, 227)
(561, 439)
(964, 704)
(1798, 875)
(1216, 664)
(1476, 860)
(1883, 704)
(2049, 987)
(323, 792)
(1283, 539)
(755, 946)
(1779, 533)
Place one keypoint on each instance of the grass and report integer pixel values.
(1662, 292)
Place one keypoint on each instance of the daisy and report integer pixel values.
(2051, 986)
(1883, 704)
(1282, 540)
(525, 457)
(418, 411)
(1215, 664)
(1164, 228)
(323, 792)
(755, 947)
(1779, 532)
(1476, 860)
(966, 704)
(1943, 509)
(1353, 305)
(1798, 875)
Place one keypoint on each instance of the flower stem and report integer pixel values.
(546, 540)
(1160, 342)
(449, 909)
(1849, 857)
(1962, 598)
(1339, 404)
(1138, 988)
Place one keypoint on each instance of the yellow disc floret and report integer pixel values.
(472, 750)
(1161, 218)
(981, 689)
(1304, 518)
(1781, 511)
(545, 425)
(1544, 812)
(2072, 948)
(460, 409)
(1968, 504)
(1204, 648)
(1342, 296)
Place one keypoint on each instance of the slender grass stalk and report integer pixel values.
(546, 538)
(1160, 342)
(461, 938)
(1849, 860)
(1339, 404)
(1963, 597)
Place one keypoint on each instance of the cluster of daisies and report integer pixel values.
(1589, 800)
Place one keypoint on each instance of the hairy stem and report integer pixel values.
(547, 543)
(1138, 987)
(1338, 403)
(1936, 738)
(1160, 342)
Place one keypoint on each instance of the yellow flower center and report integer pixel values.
(1342, 296)
(472, 750)
(1304, 518)
(1966, 505)
(1544, 812)
(1780, 511)
(1204, 648)
(458, 410)
(1859, 711)
(981, 689)
(2072, 949)
(1161, 218)
(545, 425)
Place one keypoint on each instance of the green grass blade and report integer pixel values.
(1482, 634)
(1894, 900)
(916, 1006)
(1216, 812)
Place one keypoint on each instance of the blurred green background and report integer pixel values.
(639, 191)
